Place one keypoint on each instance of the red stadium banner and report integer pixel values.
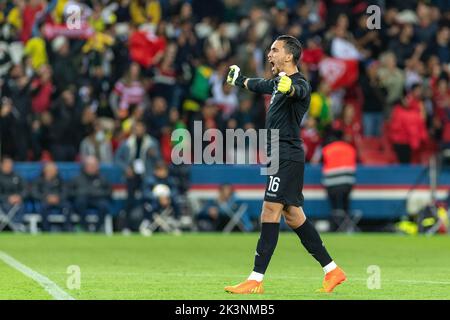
(54, 30)
(338, 73)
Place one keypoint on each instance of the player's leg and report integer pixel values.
(277, 186)
(310, 239)
(270, 227)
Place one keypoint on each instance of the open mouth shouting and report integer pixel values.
(272, 66)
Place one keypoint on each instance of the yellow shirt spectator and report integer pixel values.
(98, 42)
(58, 12)
(15, 18)
(35, 48)
(150, 14)
(320, 108)
(315, 106)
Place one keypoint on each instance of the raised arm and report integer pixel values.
(298, 90)
(260, 85)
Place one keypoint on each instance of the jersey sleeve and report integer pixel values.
(302, 89)
(260, 85)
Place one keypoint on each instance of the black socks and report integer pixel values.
(310, 239)
(266, 246)
(267, 242)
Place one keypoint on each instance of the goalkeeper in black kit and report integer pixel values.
(283, 195)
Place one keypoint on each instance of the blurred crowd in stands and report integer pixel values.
(112, 79)
(85, 200)
(77, 75)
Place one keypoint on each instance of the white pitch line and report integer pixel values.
(52, 288)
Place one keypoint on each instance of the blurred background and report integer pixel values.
(92, 90)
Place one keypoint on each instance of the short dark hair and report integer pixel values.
(292, 45)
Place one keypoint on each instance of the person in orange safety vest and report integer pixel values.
(338, 176)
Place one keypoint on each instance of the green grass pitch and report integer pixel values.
(198, 266)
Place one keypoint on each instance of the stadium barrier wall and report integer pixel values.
(380, 192)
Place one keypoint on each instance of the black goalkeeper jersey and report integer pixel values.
(285, 114)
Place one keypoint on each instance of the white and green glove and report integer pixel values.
(234, 76)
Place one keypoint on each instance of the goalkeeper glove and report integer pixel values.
(284, 84)
(234, 77)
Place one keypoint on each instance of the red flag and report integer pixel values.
(144, 47)
(338, 73)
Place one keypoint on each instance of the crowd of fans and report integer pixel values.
(69, 91)
(112, 79)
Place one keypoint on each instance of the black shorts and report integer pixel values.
(286, 186)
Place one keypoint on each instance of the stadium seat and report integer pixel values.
(374, 157)
(6, 219)
(372, 151)
(371, 143)
(164, 221)
(32, 219)
(235, 219)
(348, 222)
(92, 218)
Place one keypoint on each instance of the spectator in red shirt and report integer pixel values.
(165, 76)
(407, 131)
(349, 125)
(28, 17)
(41, 90)
(441, 101)
(414, 99)
(313, 53)
(311, 138)
(441, 94)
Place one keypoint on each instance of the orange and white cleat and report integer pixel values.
(332, 279)
(246, 287)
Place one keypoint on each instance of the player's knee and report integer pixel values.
(294, 218)
(271, 213)
(291, 221)
(269, 216)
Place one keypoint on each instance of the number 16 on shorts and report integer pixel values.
(274, 184)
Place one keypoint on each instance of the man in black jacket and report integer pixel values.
(91, 191)
(12, 192)
(17, 88)
(51, 192)
(374, 100)
(66, 128)
(9, 120)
